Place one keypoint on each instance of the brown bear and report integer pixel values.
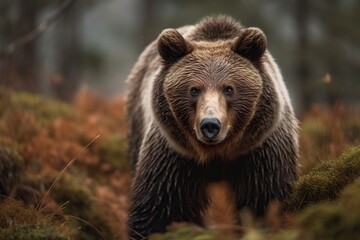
(206, 103)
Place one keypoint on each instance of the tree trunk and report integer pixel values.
(69, 58)
(302, 67)
(20, 70)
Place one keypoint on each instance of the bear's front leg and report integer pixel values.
(265, 174)
(167, 187)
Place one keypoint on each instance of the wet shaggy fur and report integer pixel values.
(257, 156)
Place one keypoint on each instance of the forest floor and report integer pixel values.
(64, 175)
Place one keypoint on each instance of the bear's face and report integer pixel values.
(212, 88)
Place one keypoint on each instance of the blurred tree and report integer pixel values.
(302, 71)
(18, 18)
(69, 52)
(148, 11)
(327, 51)
(338, 48)
(317, 43)
(19, 67)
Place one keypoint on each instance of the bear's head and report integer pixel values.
(208, 92)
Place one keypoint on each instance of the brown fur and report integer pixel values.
(255, 151)
(210, 66)
(172, 46)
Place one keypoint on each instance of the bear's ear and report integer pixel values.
(172, 45)
(250, 44)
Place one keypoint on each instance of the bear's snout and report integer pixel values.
(210, 127)
(211, 122)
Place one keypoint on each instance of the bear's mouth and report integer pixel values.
(209, 141)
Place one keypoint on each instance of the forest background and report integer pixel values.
(64, 173)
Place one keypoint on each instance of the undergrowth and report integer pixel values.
(20, 221)
(39, 136)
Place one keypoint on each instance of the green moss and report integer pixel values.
(321, 222)
(81, 207)
(186, 232)
(44, 109)
(326, 181)
(18, 221)
(350, 199)
(349, 164)
(112, 150)
(11, 169)
(338, 221)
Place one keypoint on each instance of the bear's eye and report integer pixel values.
(194, 91)
(228, 90)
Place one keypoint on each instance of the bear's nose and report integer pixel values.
(210, 127)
